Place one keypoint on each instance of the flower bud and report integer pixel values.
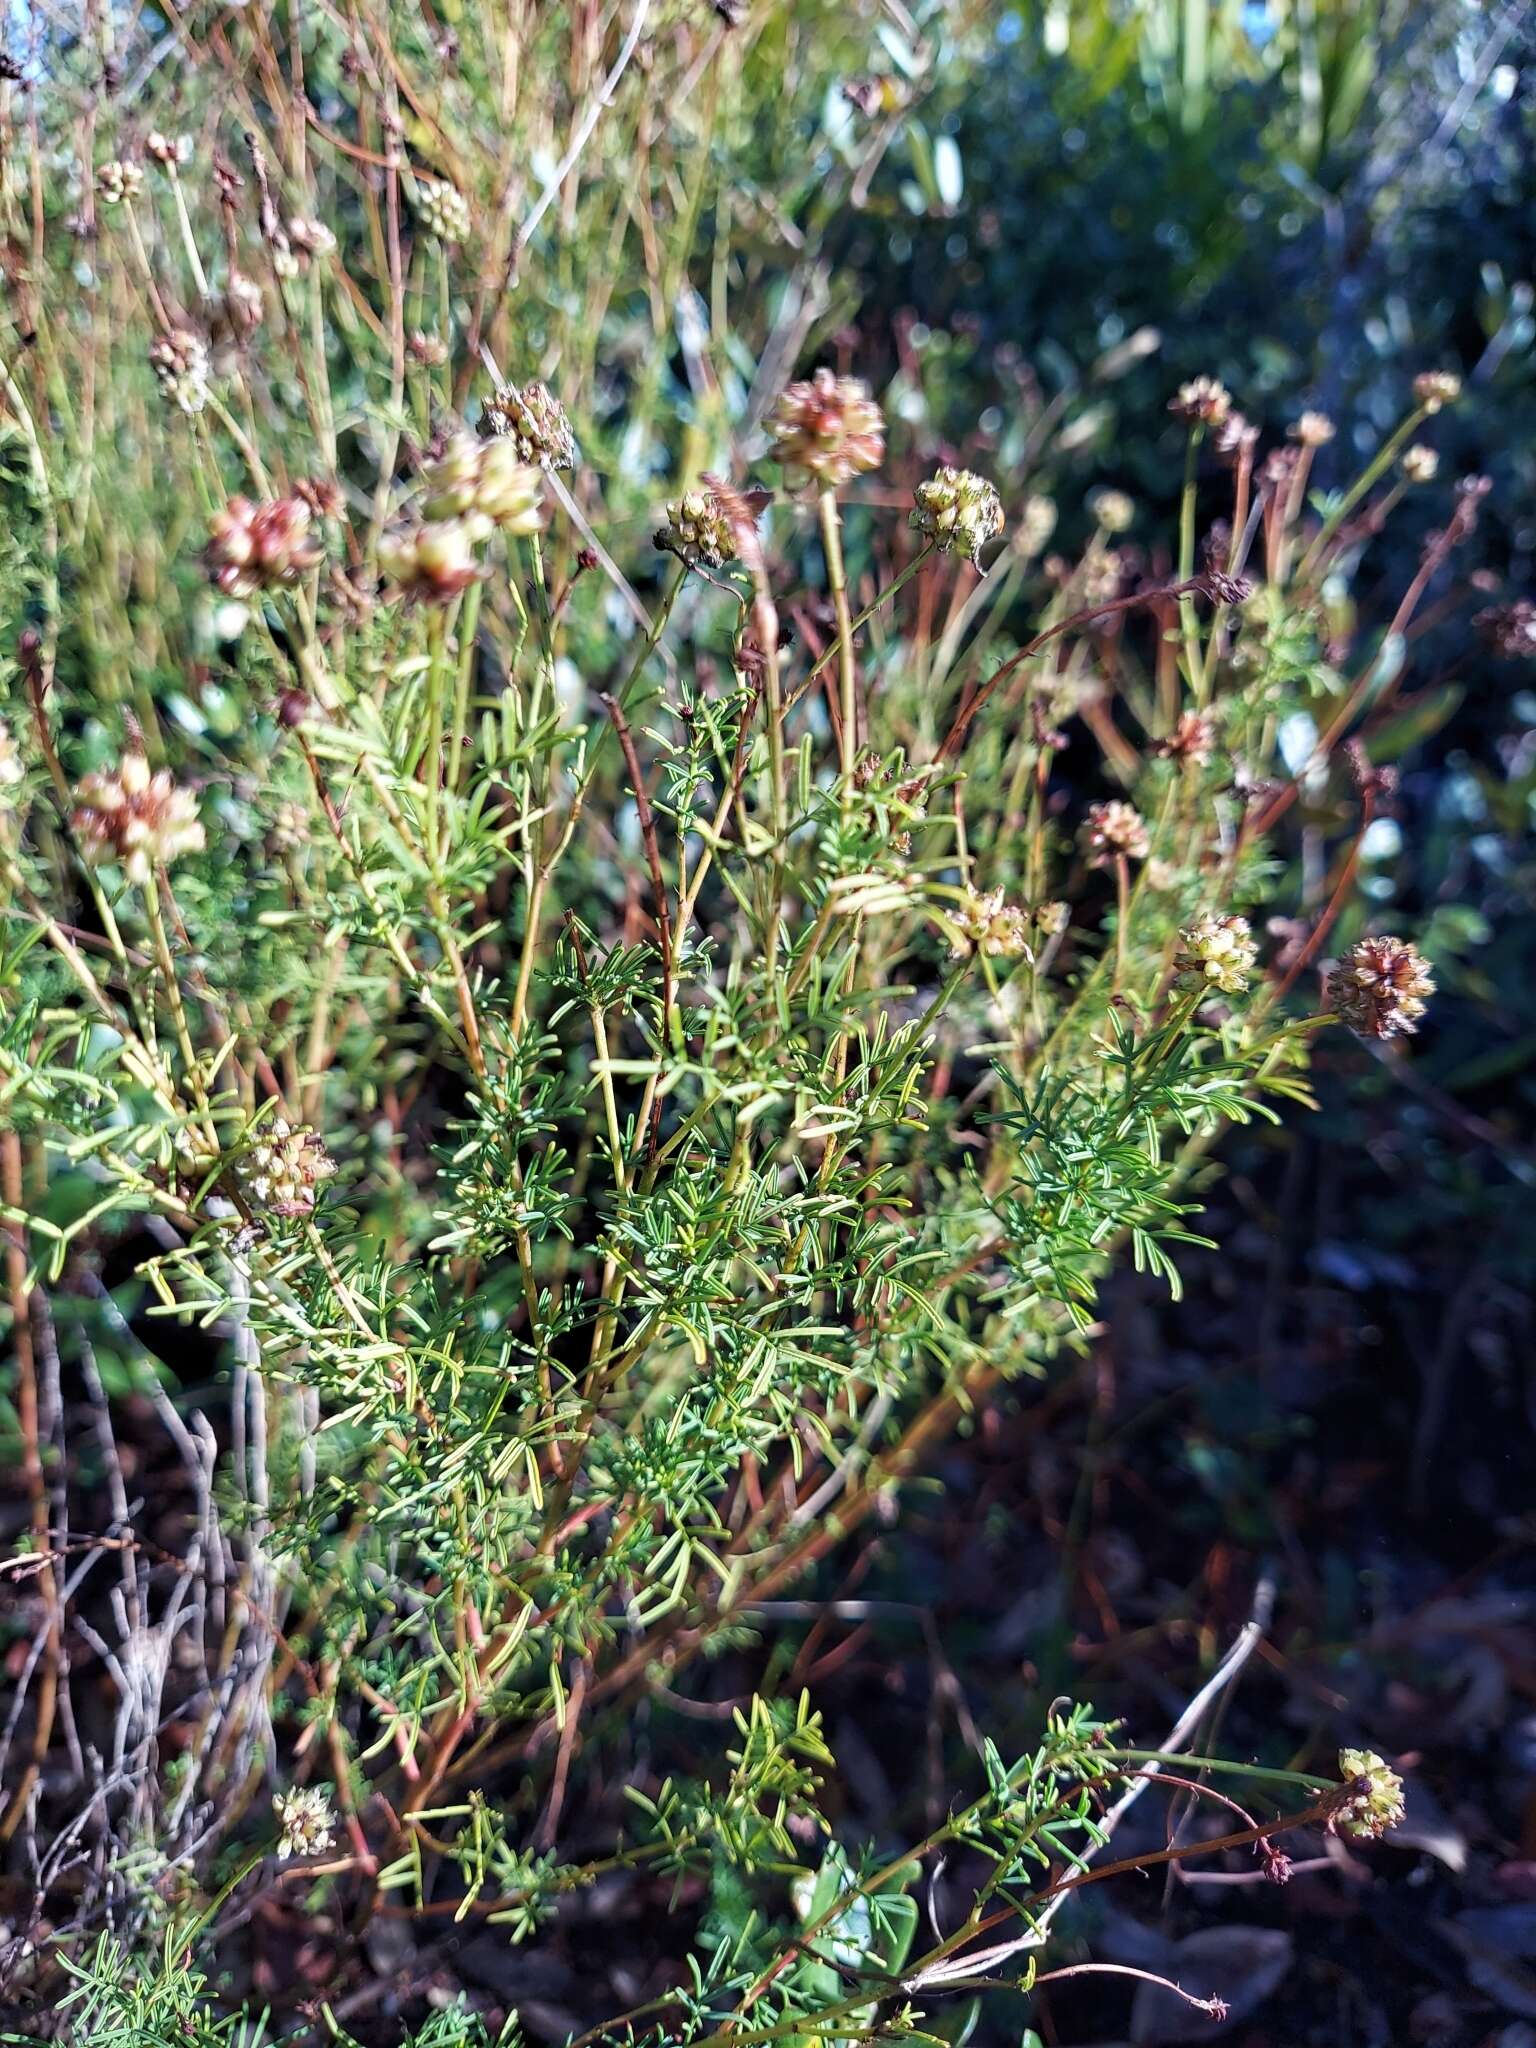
(1420, 464)
(170, 152)
(1313, 430)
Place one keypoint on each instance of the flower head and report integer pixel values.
(1436, 388)
(1313, 430)
(260, 546)
(309, 238)
(830, 427)
(1037, 522)
(1420, 464)
(284, 1168)
(1379, 987)
(1114, 829)
(1193, 739)
(137, 818)
(1205, 401)
(534, 421)
(12, 767)
(442, 209)
(1216, 953)
(307, 1822)
(1373, 1800)
(1113, 510)
(998, 929)
(958, 511)
(697, 529)
(1510, 629)
(118, 180)
(170, 152)
(180, 363)
(486, 478)
(434, 561)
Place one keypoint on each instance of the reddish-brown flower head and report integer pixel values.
(829, 426)
(260, 547)
(1379, 987)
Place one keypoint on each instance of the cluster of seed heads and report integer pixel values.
(442, 209)
(284, 1168)
(180, 363)
(697, 528)
(958, 511)
(830, 427)
(118, 180)
(261, 546)
(1380, 988)
(141, 820)
(487, 482)
(534, 421)
(1216, 953)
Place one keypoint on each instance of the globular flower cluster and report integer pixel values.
(487, 481)
(284, 1168)
(11, 768)
(443, 209)
(958, 511)
(308, 1825)
(830, 427)
(118, 180)
(261, 546)
(1114, 510)
(1510, 629)
(139, 819)
(1421, 465)
(1436, 388)
(697, 529)
(1037, 522)
(1216, 953)
(180, 363)
(309, 238)
(1379, 988)
(1373, 1799)
(998, 929)
(170, 152)
(1193, 739)
(1203, 401)
(534, 421)
(1313, 430)
(1114, 829)
(435, 561)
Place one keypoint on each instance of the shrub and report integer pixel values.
(607, 948)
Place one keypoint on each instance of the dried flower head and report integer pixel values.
(139, 819)
(442, 209)
(991, 926)
(1373, 1800)
(1193, 739)
(1379, 987)
(488, 479)
(180, 363)
(1313, 430)
(1114, 829)
(830, 427)
(435, 561)
(534, 421)
(697, 529)
(260, 546)
(958, 511)
(118, 180)
(1435, 388)
(1216, 952)
(306, 1820)
(1510, 629)
(1420, 464)
(1113, 510)
(1203, 401)
(170, 152)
